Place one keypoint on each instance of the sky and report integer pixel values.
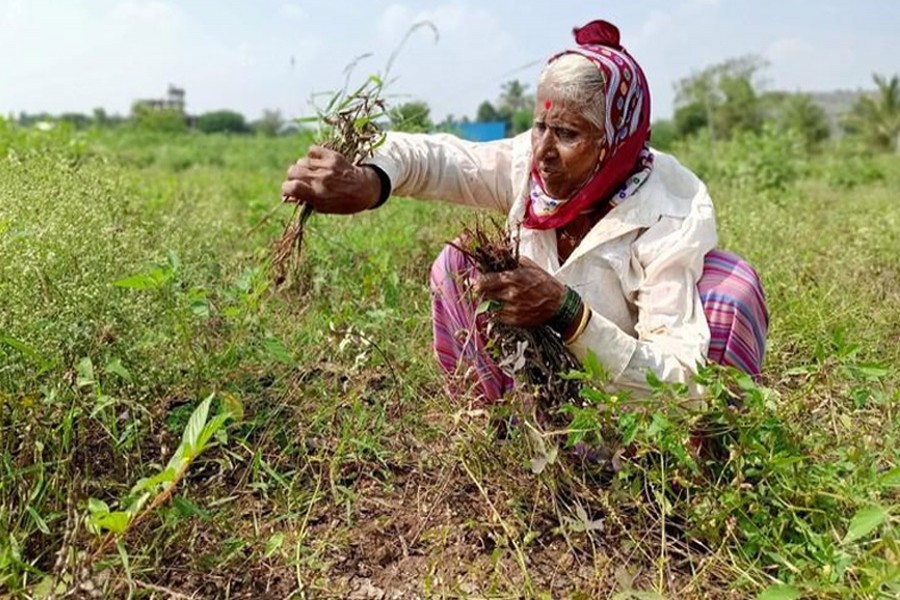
(74, 55)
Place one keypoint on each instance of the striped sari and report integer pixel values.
(730, 291)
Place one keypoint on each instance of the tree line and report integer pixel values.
(164, 120)
(729, 97)
(716, 103)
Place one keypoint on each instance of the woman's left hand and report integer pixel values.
(528, 296)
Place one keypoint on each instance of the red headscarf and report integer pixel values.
(627, 129)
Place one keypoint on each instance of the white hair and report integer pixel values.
(577, 80)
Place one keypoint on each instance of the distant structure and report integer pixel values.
(480, 132)
(174, 100)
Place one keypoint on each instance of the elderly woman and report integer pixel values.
(618, 240)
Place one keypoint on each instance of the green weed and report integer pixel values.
(130, 287)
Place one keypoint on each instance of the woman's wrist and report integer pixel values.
(383, 185)
(578, 326)
(568, 314)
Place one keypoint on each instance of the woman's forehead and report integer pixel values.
(560, 109)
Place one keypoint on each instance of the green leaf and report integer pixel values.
(101, 518)
(28, 351)
(872, 371)
(381, 140)
(138, 503)
(779, 592)
(123, 556)
(186, 508)
(97, 507)
(101, 403)
(653, 380)
(593, 368)
(274, 544)
(38, 520)
(115, 366)
(116, 521)
(483, 307)
(211, 428)
(149, 484)
(864, 522)
(85, 372)
(891, 478)
(173, 260)
(233, 405)
(278, 351)
(200, 308)
(786, 461)
(658, 425)
(804, 370)
(594, 396)
(141, 281)
(194, 428)
(48, 588)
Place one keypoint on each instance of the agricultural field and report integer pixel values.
(299, 443)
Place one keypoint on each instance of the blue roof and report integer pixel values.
(480, 132)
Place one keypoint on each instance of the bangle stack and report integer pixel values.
(573, 310)
(582, 324)
(569, 310)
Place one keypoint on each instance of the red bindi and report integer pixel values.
(548, 105)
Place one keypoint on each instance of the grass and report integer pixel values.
(131, 290)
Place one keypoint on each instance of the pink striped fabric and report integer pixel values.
(730, 291)
(735, 308)
(458, 338)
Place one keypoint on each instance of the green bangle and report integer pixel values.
(569, 310)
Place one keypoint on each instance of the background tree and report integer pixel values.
(486, 113)
(722, 98)
(77, 120)
(877, 118)
(100, 118)
(27, 120)
(516, 107)
(448, 125)
(164, 120)
(689, 119)
(663, 134)
(413, 117)
(513, 96)
(740, 109)
(270, 123)
(222, 121)
(800, 113)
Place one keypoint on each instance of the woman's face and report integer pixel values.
(566, 146)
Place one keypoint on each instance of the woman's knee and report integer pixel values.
(450, 266)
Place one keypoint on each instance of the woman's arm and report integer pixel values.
(444, 167)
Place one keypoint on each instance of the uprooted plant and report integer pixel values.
(348, 128)
(348, 124)
(537, 356)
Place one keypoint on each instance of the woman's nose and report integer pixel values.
(545, 148)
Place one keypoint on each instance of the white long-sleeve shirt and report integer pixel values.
(637, 268)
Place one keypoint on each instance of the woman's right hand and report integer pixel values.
(330, 183)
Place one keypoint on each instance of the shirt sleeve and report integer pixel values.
(444, 167)
(672, 333)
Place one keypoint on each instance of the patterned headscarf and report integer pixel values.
(625, 160)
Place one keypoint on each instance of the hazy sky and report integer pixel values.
(74, 55)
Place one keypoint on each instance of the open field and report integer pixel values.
(132, 287)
